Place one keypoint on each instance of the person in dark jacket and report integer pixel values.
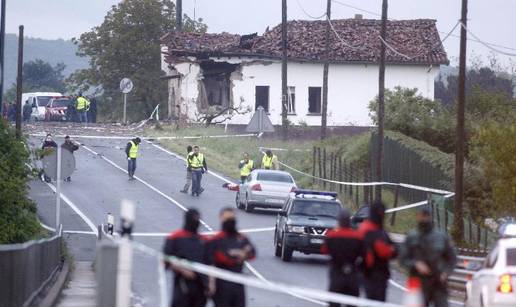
(27, 111)
(430, 257)
(48, 145)
(379, 250)
(189, 287)
(92, 112)
(228, 250)
(71, 146)
(11, 112)
(346, 249)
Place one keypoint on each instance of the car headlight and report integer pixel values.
(296, 229)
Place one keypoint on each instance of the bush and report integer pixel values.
(18, 220)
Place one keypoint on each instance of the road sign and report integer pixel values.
(260, 122)
(126, 85)
(67, 164)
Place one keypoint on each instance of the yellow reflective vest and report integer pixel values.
(246, 168)
(133, 151)
(82, 103)
(267, 161)
(197, 161)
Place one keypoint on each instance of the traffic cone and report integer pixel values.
(414, 294)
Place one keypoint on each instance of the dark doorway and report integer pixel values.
(262, 97)
(314, 100)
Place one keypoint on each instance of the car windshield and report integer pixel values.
(43, 100)
(511, 257)
(60, 103)
(277, 177)
(315, 208)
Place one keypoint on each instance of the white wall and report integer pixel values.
(350, 88)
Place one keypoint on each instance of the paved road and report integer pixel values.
(99, 184)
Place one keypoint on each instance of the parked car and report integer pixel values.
(39, 101)
(265, 189)
(56, 109)
(494, 285)
(303, 222)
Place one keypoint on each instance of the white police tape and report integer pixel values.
(264, 285)
(150, 138)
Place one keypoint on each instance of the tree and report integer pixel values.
(40, 76)
(127, 44)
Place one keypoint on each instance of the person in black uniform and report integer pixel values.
(346, 249)
(189, 287)
(379, 251)
(48, 146)
(228, 250)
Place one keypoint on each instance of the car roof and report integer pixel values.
(315, 197)
(507, 243)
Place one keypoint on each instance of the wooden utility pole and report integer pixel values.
(458, 222)
(2, 48)
(19, 84)
(324, 116)
(179, 15)
(381, 102)
(284, 84)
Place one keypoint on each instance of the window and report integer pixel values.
(291, 100)
(276, 177)
(491, 258)
(315, 208)
(314, 100)
(262, 97)
(511, 257)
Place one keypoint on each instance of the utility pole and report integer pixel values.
(381, 102)
(284, 84)
(179, 15)
(325, 72)
(19, 84)
(458, 232)
(2, 48)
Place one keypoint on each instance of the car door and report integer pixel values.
(282, 218)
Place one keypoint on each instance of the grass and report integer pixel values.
(223, 155)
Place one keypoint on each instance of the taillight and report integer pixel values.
(256, 187)
(505, 285)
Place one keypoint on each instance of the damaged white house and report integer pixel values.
(220, 71)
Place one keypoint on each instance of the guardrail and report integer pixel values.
(27, 268)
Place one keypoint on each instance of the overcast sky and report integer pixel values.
(491, 20)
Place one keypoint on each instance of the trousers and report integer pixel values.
(196, 180)
(131, 166)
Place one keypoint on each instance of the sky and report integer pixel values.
(490, 20)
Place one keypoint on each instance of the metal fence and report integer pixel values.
(26, 268)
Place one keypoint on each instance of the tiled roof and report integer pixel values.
(417, 39)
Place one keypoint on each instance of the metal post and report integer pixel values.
(19, 83)
(125, 110)
(58, 189)
(381, 102)
(2, 48)
(284, 83)
(125, 256)
(458, 222)
(326, 68)
(179, 15)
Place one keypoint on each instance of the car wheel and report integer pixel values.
(286, 252)
(248, 207)
(277, 246)
(238, 202)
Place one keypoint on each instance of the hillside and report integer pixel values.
(52, 51)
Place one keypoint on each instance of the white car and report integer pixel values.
(495, 284)
(38, 101)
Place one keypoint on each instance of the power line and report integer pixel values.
(486, 44)
(307, 14)
(338, 36)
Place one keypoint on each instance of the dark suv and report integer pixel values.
(303, 222)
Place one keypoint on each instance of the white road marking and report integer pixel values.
(249, 266)
(76, 209)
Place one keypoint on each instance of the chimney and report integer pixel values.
(359, 16)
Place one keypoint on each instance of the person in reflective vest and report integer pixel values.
(131, 150)
(82, 105)
(188, 182)
(246, 166)
(269, 160)
(197, 163)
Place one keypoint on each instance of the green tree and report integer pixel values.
(127, 44)
(18, 219)
(40, 76)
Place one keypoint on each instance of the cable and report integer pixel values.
(306, 13)
(357, 8)
(338, 36)
(486, 44)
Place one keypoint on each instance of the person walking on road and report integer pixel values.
(246, 166)
(188, 182)
(346, 249)
(379, 251)
(82, 105)
(92, 112)
(197, 163)
(27, 111)
(189, 287)
(71, 146)
(48, 145)
(131, 150)
(270, 160)
(228, 250)
(430, 257)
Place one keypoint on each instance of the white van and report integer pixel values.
(39, 101)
